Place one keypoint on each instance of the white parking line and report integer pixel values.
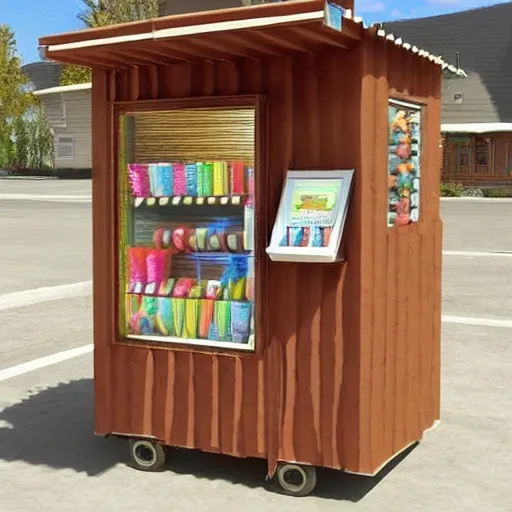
(43, 362)
(59, 357)
(47, 197)
(477, 254)
(44, 294)
(475, 321)
(490, 200)
(50, 293)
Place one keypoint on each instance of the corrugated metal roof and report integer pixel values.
(43, 74)
(399, 41)
(479, 41)
(254, 32)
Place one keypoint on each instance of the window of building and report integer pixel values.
(64, 148)
(482, 151)
(463, 155)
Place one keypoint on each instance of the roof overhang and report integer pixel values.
(255, 32)
(476, 127)
(224, 35)
(63, 88)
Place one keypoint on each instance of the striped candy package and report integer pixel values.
(180, 180)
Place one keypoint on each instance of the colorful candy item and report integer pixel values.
(138, 177)
(180, 180)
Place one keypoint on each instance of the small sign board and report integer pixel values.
(311, 216)
(333, 16)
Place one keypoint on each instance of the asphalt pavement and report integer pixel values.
(50, 461)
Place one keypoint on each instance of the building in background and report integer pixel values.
(477, 110)
(68, 111)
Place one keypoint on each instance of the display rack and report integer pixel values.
(187, 239)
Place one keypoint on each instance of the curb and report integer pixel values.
(477, 199)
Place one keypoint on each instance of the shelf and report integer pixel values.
(248, 347)
(237, 200)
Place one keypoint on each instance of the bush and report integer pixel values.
(50, 172)
(452, 189)
(473, 192)
(497, 192)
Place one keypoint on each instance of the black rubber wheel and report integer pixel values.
(296, 480)
(146, 455)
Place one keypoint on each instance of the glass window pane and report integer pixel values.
(187, 202)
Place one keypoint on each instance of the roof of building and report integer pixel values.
(43, 74)
(480, 42)
(63, 88)
(255, 31)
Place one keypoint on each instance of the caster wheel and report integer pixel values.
(147, 455)
(296, 480)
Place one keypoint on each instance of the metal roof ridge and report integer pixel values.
(420, 51)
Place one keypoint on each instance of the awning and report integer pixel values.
(225, 35)
(257, 32)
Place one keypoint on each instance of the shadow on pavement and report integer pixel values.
(55, 427)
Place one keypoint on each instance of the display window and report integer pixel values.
(404, 163)
(187, 221)
(311, 217)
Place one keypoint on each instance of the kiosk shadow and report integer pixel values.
(334, 485)
(54, 427)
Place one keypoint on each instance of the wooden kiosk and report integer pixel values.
(221, 323)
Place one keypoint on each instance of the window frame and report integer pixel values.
(58, 144)
(260, 343)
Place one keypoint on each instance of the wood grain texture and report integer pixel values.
(401, 269)
(347, 368)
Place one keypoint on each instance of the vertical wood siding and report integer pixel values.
(342, 381)
(401, 268)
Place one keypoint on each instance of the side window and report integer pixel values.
(64, 148)
(464, 155)
(482, 150)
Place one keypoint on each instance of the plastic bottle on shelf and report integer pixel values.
(249, 225)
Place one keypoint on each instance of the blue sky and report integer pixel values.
(33, 18)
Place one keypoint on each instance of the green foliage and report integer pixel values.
(71, 75)
(15, 100)
(452, 189)
(22, 142)
(14, 94)
(497, 192)
(101, 13)
(40, 154)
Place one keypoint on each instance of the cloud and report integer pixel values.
(396, 13)
(367, 6)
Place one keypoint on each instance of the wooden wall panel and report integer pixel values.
(103, 228)
(401, 267)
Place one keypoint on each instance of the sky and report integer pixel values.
(31, 19)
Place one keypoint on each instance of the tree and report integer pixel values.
(15, 96)
(101, 13)
(22, 142)
(40, 154)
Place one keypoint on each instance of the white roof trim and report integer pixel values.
(224, 26)
(476, 127)
(63, 88)
(193, 30)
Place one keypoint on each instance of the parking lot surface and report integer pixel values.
(50, 461)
